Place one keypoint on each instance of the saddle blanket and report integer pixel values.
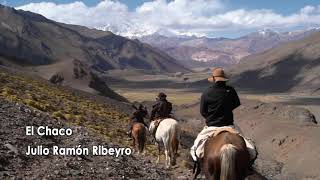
(197, 150)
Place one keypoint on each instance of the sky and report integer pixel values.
(213, 18)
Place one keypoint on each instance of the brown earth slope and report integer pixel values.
(292, 67)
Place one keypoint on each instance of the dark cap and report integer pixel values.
(162, 95)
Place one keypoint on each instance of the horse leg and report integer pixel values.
(167, 158)
(133, 144)
(159, 151)
(144, 144)
(167, 151)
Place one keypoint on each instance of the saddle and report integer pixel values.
(225, 129)
(157, 122)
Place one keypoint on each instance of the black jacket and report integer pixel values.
(162, 109)
(139, 115)
(217, 103)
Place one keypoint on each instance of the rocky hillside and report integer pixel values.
(291, 67)
(204, 51)
(285, 137)
(95, 120)
(15, 164)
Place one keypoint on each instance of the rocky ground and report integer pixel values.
(14, 164)
(286, 137)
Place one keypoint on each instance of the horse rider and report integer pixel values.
(162, 109)
(138, 117)
(216, 106)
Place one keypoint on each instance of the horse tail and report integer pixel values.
(141, 139)
(228, 162)
(175, 140)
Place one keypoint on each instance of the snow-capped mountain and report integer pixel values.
(204, 51)
(135, 31)
(199, 50)
(129, 30)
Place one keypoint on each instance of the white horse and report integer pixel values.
(168, 132)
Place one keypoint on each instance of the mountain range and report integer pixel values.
(205, 51)
(42, 41)
(78, 56)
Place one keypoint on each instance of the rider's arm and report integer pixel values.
(235, 99)
(203, 106)
(153, 112)
(133, 116)
(169, 107)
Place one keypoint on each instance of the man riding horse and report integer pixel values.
(164, 129)
(216, 106)
(162, 109)
(138, 117)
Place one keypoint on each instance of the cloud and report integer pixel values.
(196, 17)
(78, 13)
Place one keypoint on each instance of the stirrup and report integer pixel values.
(129, 133)
(195, 163)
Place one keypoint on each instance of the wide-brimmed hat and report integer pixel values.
(218, 75)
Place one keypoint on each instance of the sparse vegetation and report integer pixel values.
(176, 96)
(65, 105)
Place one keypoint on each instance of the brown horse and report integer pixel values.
(225, 157)
(139, 136)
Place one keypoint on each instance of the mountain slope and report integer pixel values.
(73, 55)
(34, 40)
(293, 66)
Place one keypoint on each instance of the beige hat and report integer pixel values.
(217, 75)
